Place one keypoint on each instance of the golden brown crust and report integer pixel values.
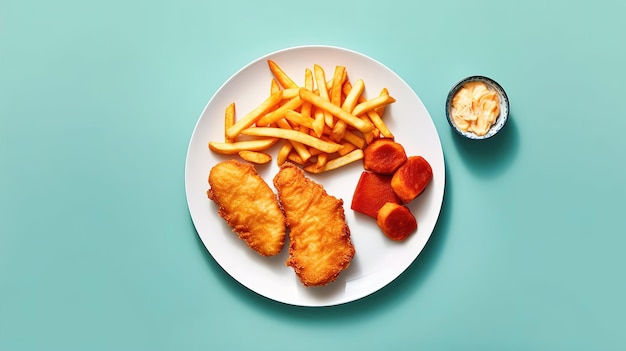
(249, 206)
(320, 246)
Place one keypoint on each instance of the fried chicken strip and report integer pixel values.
(249, 206)
(320, 246)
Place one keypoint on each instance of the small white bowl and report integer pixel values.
(502, 98)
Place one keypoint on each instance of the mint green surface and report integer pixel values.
(98, 100)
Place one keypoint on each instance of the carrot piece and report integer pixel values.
(396, 221)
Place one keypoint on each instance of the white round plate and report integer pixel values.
(378, 260)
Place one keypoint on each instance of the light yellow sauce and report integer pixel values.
(475, 108)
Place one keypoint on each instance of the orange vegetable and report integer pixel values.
(396, 221)
(371, 193)
(383, 156)
(411, 178)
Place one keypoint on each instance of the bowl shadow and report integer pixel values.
(490, 157)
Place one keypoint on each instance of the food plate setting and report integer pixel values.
(378, 260)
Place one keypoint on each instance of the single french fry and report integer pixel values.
(329, 120)
(322, 159)
(257, 157)
(294, 135)
(281, 76)
(283, 153)
(302, 150)
(354, 139)
(338, 77)
(322, 90)
(307, 108)
(318, 123)
(295, 158)
(338, 162)
(320, 79)
(372, 104)
(275, 86)
(282, 123)
(309, 82)
(229, 120)
(290, 93)
(353, 94)
(253, 116)
(369, 137)
(279, 113)
(379, 124)
(336, 91)
(338, 130)
(235, 147)
(347, 148)
(381, 110)
(299, 118)
(337, 111)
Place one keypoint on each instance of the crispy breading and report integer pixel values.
(249, 206)
(320, 246)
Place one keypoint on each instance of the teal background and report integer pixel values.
(98, 100)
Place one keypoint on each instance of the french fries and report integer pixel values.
(336, 162)
(253, 116)
(335, 110)
(324, 124)
(279, 113)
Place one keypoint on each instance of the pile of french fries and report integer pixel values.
(323, 125)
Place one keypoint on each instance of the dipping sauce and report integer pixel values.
(475, 108)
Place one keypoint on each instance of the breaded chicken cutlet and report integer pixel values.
(249, 206)
(320, 246)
